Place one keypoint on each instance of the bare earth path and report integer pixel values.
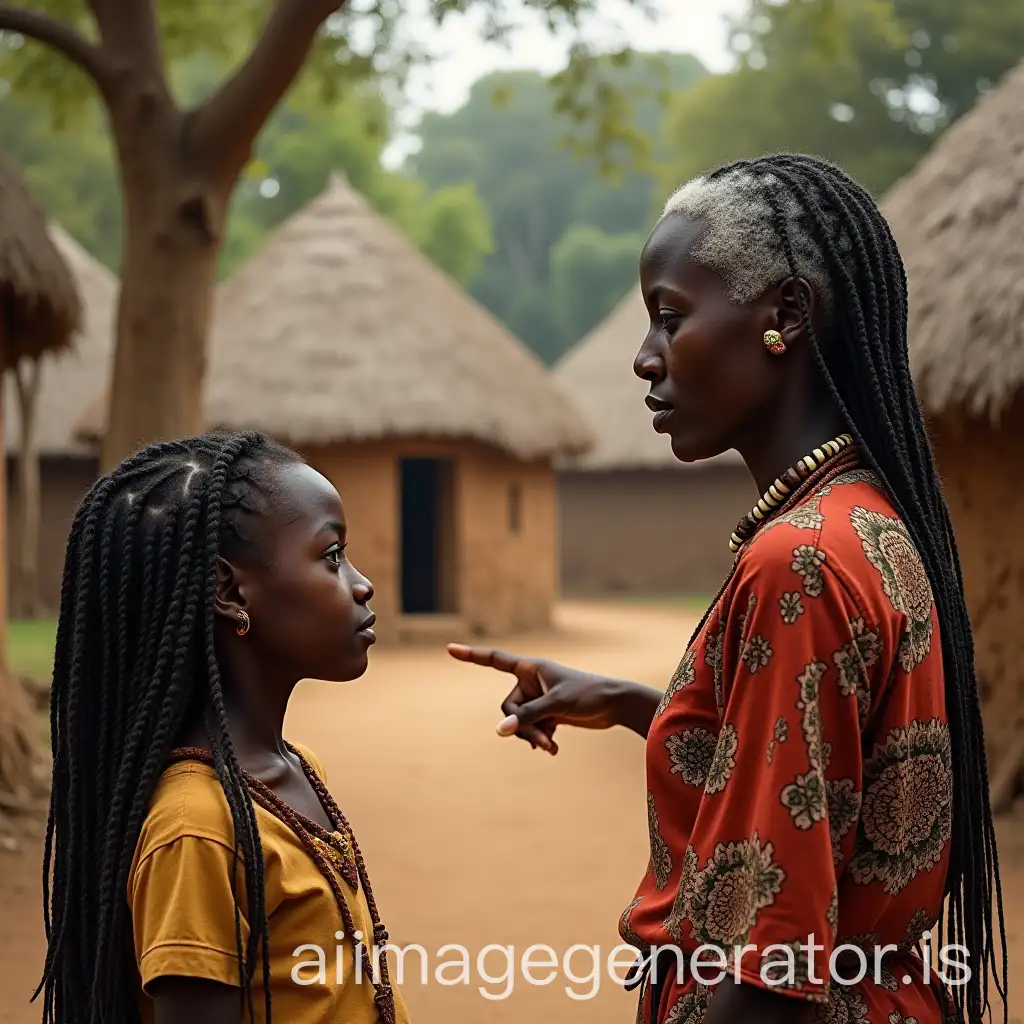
(475, 840)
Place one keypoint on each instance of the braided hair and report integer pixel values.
(785, 215)
(135, 666)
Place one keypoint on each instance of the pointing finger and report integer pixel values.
(485, 656)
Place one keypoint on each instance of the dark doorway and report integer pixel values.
(427, 534)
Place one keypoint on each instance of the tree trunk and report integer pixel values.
(174, 222)
(26, 375)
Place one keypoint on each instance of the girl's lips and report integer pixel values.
(366, 629)
(661, 418)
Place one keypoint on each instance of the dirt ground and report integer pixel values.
(476, 840)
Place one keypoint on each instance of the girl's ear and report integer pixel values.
(793, 297)
(228, 600)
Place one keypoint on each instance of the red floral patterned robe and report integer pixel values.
(799, 770)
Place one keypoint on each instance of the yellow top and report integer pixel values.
(183, 913)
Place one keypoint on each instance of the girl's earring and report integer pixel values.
(774, 343)
(243, 623)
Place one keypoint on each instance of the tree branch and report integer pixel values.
(130, 32)
(221, 130)
(59, 36)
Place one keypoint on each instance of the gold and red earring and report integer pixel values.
(774, 343)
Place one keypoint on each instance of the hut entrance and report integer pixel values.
(428, 549)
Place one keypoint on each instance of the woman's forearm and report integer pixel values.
(635, 705)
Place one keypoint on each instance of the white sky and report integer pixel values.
(694, 26)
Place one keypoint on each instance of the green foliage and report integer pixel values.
(300, 147)
(456, 231)
(73, 174)
(224, 33)
(588, 268)
(868, 87)
(513, 140)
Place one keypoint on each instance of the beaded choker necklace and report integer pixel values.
(334, 853)
(784, 487)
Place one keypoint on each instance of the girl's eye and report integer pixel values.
(334, 554)
(668, 319)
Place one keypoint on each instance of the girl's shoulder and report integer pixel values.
(189, 801)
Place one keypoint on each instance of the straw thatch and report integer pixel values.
(598, 374)
(40, 308)
(959, 222)
(69, 380)
(339, 329)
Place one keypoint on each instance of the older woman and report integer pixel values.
(816, 773)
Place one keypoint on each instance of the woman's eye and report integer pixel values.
(668, 319)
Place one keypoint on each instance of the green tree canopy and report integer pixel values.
(516, 145)
(73, 173)
(871, 93)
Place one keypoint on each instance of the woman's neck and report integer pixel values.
(796, 433)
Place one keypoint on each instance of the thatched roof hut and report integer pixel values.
(40, 308)
(630, 476)
(341, 330)
(959, 222)
(40, 315)
(70, 379)
(438, 426)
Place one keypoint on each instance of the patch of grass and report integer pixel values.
(693, 604)
(30, 647)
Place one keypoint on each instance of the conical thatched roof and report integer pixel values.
(339, 329)
(71, 379)
(598, 373)
(40, 307)
(959, 222)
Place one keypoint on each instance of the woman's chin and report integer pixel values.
(694, 449)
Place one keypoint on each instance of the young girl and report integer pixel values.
(193, 849)
(817, 790)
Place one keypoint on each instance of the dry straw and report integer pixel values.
(40, 307)
(70, 379)
(959, 222)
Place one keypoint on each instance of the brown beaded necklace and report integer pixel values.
(784, 487)
(334, 853)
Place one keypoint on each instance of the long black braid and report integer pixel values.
(135, 667)
(865, 365)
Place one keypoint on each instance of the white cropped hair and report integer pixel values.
(738, 240)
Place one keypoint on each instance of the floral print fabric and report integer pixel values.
(798, 766)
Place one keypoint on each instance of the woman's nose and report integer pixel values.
(649, 365)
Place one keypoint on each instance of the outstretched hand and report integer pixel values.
(546, 695)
